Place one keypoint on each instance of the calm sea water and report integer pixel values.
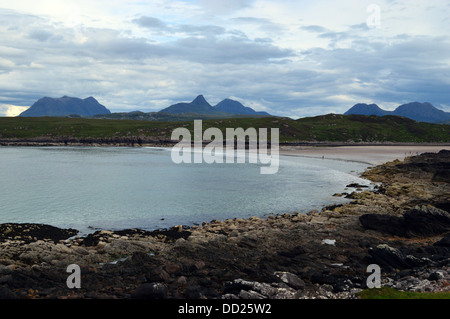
(91, 188)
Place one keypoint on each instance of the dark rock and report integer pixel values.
(248, 242)
(248, 289)
(171, 235)
(441, 175)
(140, 258)
(332, 207)
(444, 205)
(389, 257)
(436, 276)
(420, 221)
(405, 273)
(91, 240)
(294, 252)
(444, 242)
(339, 282)
(290, 279)
(356, 185)
(172, 268)
(144, 264)
(427, 221)
(32, 232)
(5, 293)
(383, 223)
(151, 291)
(195, 292)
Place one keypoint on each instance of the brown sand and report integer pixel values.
(373, 155)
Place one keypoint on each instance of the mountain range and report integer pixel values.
(421, 112)
(89, 107)
(65, 106)
(200, 106)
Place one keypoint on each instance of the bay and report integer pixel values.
(91, 188)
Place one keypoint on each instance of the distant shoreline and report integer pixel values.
(363, 152)
(139, 142)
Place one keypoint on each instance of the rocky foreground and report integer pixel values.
(403, 225)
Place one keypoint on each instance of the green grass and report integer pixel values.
(326, 128)
(390, 293)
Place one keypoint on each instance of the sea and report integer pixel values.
(114, 188)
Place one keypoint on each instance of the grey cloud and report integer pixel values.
(251, 20)
(263, 24)
(127, 72)
(221, 7)
(211, 44)
(40, 35)
(228, 50)
(360, 27)
(314, 28)
(335, 36)
(43, 35)
(200, 29)
(263, 40)
(407, 70)
(149, 22)
(191, 29)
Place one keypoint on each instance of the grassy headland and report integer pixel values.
(325, 128)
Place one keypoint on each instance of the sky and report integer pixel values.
(291, 58)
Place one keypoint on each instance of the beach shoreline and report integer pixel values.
(370, 154)
(322, 254)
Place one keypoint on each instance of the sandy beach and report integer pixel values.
(371, 154)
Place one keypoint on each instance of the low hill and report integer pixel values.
(65, 106)
(326, 128)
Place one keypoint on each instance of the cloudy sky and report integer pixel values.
(288, 57)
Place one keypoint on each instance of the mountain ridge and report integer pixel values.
(65, 106)
(235, 107)
(417, 111)
(200, 106)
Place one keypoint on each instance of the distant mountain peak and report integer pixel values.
(366, 109)
(421, 112)
(416, 106)
(200, 106)
(65, 106)
(200, 100)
